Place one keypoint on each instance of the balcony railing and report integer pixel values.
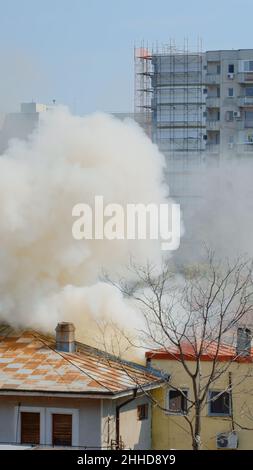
(245, 77)
(245, 101)
(212, 78)
(212, 125)
(212, 102)
(213, 148)
(245, 147)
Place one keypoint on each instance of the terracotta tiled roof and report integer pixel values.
(225, 353)
(29, 362)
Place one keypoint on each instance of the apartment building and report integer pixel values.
(201, 108)
(229, 102)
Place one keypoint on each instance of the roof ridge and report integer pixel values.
(112, 357)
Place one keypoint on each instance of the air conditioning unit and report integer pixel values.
(230, 76)
(227, 440)
(236, 114)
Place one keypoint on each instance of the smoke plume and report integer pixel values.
(46, 276)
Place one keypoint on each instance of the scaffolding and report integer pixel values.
(169, 95)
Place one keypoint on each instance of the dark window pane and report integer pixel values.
(231, 68)
(221, 404)
(142, 412)
(249, 91)
(177, 401)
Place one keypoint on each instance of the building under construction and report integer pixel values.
(170, 92)
(198, 108)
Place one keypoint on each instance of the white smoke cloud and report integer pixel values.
(223, 217)
(46, 275)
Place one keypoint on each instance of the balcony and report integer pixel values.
(245, 147)
(212, 102)
(245, 77)
(212, 79)
(245, 124)
(214, 149)
(245, 101)
(212, 125)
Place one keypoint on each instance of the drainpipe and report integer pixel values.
(118, 408)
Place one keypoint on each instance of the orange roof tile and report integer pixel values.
(225, 353)
(30, 363)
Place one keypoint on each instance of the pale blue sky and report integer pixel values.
(80, 52)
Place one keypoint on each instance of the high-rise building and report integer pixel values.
(229, 102)
(200, 105)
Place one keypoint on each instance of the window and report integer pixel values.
(230, 139)
(62, 430)
(230, 92)
(248, 66)
(249, 139)
(249, 115)
(229, 115)
(205, 91)
(142, 412)
(231, 68)
(249, 91)
(177, 401)
(219, 403)
(30, 428)
(218, 69)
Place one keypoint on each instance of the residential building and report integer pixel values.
(227, 415)
(59, 392)
(201, 108)
(21, 124)
(229, 102)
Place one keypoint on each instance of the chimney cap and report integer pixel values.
(65, 326)
(244, 336)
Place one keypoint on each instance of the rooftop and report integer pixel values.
(30, 363)
(225, 353)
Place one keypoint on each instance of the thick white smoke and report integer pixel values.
(46, 275)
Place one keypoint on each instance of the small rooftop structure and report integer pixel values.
(226, 352)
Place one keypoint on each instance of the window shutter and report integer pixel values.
(30, 428)
(62, 430)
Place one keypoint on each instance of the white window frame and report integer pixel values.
(167, 404)
(29, 409)
(75, 423)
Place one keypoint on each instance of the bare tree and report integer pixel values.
(195, 314)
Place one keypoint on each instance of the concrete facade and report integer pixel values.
(229, 102)
(93, 420)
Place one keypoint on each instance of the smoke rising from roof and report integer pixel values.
(47, 276)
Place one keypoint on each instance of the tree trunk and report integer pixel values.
(197, 428)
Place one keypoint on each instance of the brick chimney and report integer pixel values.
(243, 345)
(65, 337)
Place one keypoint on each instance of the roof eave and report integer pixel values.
(91, 394)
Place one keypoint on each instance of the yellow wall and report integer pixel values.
(172, 432)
